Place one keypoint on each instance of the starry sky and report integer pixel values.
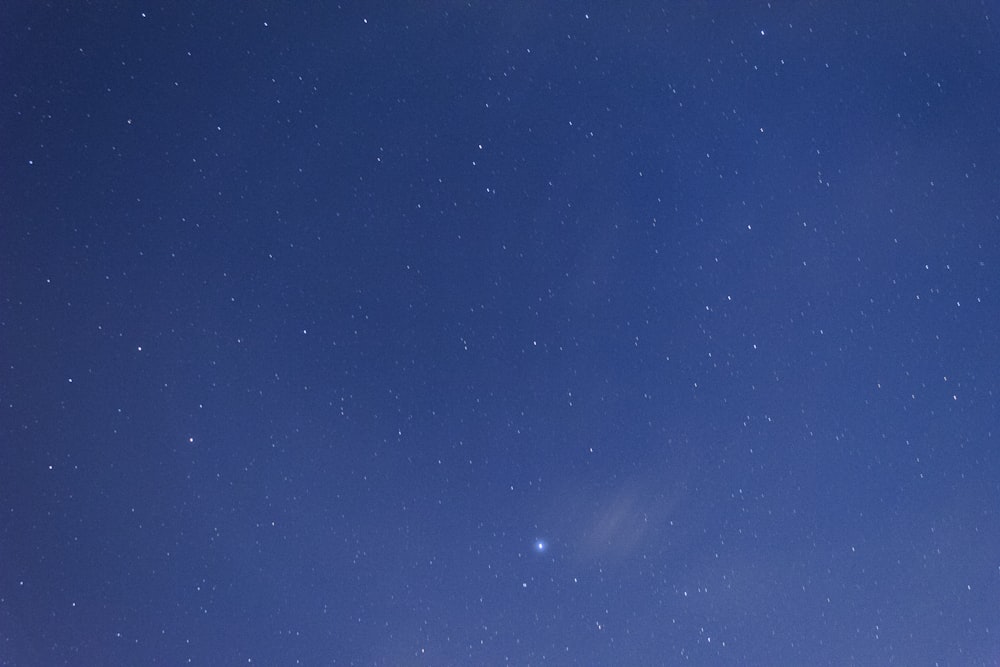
(447, 333)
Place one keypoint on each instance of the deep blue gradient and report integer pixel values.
(314, 320)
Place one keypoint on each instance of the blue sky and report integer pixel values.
(315, 320)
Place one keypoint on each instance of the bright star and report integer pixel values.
(541, 546)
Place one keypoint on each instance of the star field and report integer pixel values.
(527, 334)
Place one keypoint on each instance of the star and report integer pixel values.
(541, 546)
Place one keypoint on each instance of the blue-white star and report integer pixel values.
(541, 546)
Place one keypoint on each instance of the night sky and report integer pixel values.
(527, 333)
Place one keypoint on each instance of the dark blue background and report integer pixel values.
(313, 319)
